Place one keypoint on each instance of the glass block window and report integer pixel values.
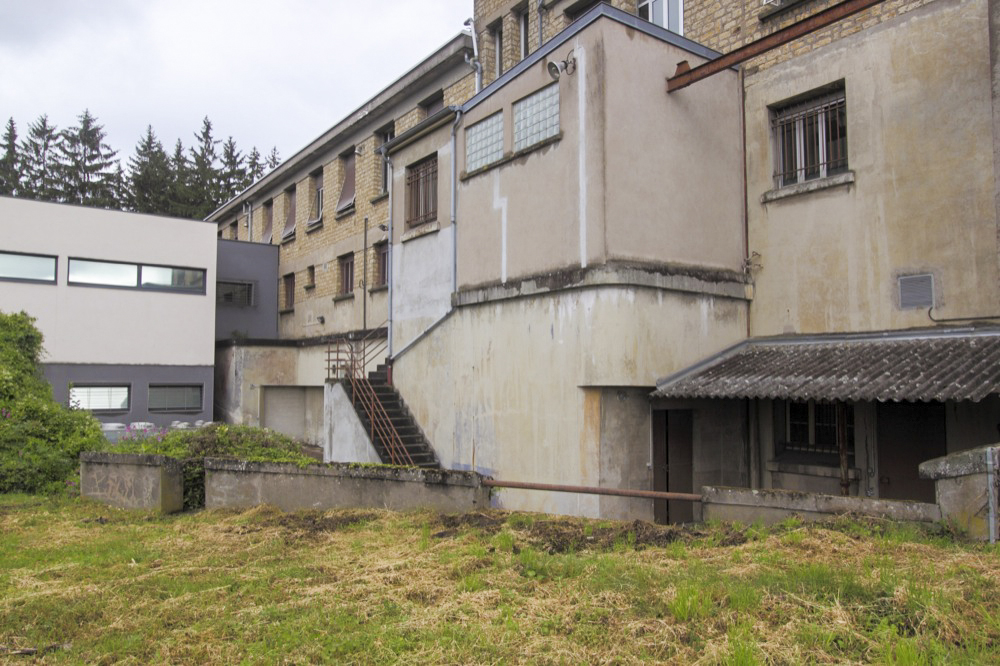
(536, 117)
(484, 142)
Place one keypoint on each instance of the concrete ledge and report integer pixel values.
(234, 483)
(962, 463)
(133, 481)
(771, 506)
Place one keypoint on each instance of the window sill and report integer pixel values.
(314, 225)
(421, 230)
(347, 212)
(846, 178)
(780, 8)
(381, 197)
(309, 287)
(377, 288)
(811, 469)
(510, 157)
(286, 311)
(288, 239)
(343, 297)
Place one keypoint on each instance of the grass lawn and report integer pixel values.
(84, 583)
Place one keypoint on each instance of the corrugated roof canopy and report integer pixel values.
(948, 364)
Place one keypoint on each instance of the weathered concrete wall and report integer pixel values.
(771, 506)
(922, 200)
(966, 488)
(230, 484)
(517, 396)
(344, 438)
(133, 481)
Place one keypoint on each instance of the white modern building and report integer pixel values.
(126, 303)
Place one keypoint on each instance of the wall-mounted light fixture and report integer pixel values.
(557, 67)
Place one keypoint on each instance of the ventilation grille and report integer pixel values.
(916, 291)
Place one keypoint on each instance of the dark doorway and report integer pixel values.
(673, 463)
(908, 433)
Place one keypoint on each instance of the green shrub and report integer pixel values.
(40, 439)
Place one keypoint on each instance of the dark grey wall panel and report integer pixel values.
(257, 264)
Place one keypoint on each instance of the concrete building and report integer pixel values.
(326, 209)
(126, 303)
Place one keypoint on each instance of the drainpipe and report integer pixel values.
(474, 60)
(388, 268)
(454, 204)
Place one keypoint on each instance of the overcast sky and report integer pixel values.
(266, 73)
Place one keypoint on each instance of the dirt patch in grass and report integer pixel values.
(316, 523)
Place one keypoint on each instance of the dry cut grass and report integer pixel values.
(83, 583)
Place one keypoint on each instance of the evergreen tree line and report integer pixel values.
(77, 166)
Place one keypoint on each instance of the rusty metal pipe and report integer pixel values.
(593, 490)
(686, 76)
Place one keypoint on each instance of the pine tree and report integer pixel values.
(233, 177)
(272, 159)
(38, 155)
(87, 164)
(181, 200)
(205, 175)
(149, 176)
(10, 162)
(255, 168)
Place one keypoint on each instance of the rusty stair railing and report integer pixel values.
(352, 357)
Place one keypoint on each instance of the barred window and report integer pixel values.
(536, 117)
(421, 192)
(234, 293)
(484, 142)
(812, 426)
(810, 138)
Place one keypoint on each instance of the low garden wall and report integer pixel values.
(772, 506)
(235, 483)
(133, 481)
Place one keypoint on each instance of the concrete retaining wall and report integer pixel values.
(133, 481)
(232, 484)
(965, 486)
(771, 506)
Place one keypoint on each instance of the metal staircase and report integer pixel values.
(393, 431)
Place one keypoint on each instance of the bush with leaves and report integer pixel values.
(40, 439)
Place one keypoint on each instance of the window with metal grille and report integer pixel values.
(916, 291)
(536, 117)
(346, 263)
(175, 398)
(811, 426)
(810, 138)
(421, 191)
(484, 142)
(234, 293)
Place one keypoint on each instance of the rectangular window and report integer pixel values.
(289, 231)
(316, 184)
(310, 277)
(101, 398)
(810, 137)
(672, 19)
(484, 142)
(175, 398)
(433, 104)
(267, 235)
(169, 277)
(288, 291)
(234, 293)
(29, 267)
(381, 264)
(346, 264)
(104, 273)
(234, 230)
(536, 117)
(522, 23)
(497, 32)
(385, 136)
(346, 201)
(421, 192)
(811, 427)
